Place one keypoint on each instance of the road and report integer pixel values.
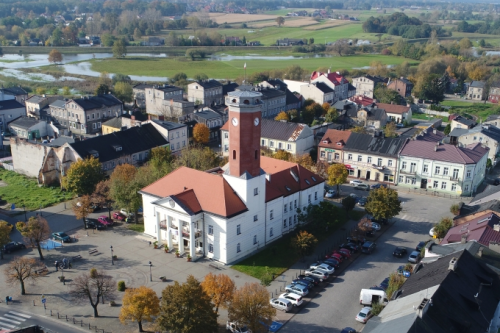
(336, 306)
(11, 319)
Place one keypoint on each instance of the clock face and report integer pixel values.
(234, 121)
(256, 121)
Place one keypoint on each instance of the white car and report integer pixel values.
(234, 327)
(355, 182)
(414, 257)
(364, 314)
(321, 275)
(293, 297)
(324, 267)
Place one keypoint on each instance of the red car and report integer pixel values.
(105, 220)
(119, 216)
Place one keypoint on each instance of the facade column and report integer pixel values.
(192, 231)
(181, 238)
(169, 233)
(158, 230)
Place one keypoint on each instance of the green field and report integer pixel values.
(230, 69)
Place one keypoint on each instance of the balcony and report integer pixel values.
(407, 172)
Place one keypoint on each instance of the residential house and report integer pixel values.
(85, 115)
(208, 117)
(10, 110)
(457, 293)
(331, 146)
(335, 81)
(476, 91)
(257, 196)
(139, 92)
(205, 92)
(494, 94)
(442, 168)
(461, 122)
(486, 134)
(372, 157)
(167, 101)
(397, 113)
(291, 101)
(365, 85)
(402, 86)
(30, 128)
(289, 42)
(295, 138)
(17, 93)
(38, 106)
(483, 229)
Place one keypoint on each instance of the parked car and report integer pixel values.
(321, 275)
(362, 201)
(350, 246)
(94, 224)
(297, 288)
(119, 216)
(61, 236)
(364, 187)
(292, 297)
(414, 257)
(384, 284)
(355, 182)
(368, 247)
(234, 327)
(420, 246)
(327, 268)
(330, 194)
(364, 314)
(399, 252)
(13, 246)
(310, 278)
(105, 220)
(281, 304)
(303, 282)
(376, 186)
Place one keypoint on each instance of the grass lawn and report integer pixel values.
(136, 227)
(24, 191)
(278, 256)
(167, 67)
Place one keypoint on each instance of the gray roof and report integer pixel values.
(25, 122)
(169, 125)
(58, 104)
(359, 142)
(477, 84)
(279, 130)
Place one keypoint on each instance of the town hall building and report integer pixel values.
(228, 213)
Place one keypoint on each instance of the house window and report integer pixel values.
(445, 171)
(403, 165)
(369, 159)
(254, 239)
(210, 229)
(453, 187)
(379, 162)
(271, 216)
(349, 157)
(238, 229)
(238, 248)
(271, 232)
(443, 185)
(426, 168)
(256, 191)
(437, 170)
(436, 184)
(360, 158)
(468, 174)
(211, 248)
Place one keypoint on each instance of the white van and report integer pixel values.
(368, 296)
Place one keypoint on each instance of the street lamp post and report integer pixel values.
(150, 274)
(112, 261)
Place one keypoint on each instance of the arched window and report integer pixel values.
(234, 154)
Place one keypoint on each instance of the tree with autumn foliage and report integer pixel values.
(282, 116)
(201, 133)
(304, 243)
(83, 175)
(250, 307)
(121, 186)
(21, 269)
(82, 207)
(220, 288)
(139, 305)
(35, 231)
(337, 175)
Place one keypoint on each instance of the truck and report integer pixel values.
(368, 296)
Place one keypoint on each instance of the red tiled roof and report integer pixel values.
(332, 136)
(444, 152)
(479, 229)
(212, 192)
(393, 108)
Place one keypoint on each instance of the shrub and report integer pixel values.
(121, 285)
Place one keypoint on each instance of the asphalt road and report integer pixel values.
(10, 319)
(337, 305)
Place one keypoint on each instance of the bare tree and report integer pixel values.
(94, 286)
(21, 269)
(35, 231)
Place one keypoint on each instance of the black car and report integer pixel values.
(13, 246)
(303, 282)
(384, 284)
(310, 278)
(350, 246)
(368, 247)
(332, 262)
(420, 246)
(399, 252)
(93, 224)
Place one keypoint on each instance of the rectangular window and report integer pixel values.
(211, 248)
(255, 218)
(426, 168)
(238, 229)
(436, 184)
(360, 158)
(349, 157)
(445, 171)
(271, 214)
(443, 185)
(210, 229)
(256, 191)
(369, 159)
(437, 170)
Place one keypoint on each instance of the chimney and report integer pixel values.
(480, 252)
(453, 264)
(463, 239)
(496, 227)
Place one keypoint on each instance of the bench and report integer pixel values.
(75, 258)
(94, 252)
(213, 266)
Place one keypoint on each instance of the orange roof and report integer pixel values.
(393, 108)
(210, 192)
(332, 137)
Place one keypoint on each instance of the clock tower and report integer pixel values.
(245, 114)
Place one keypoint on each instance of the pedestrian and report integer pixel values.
(57, 266)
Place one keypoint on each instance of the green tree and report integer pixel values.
(337, 175)
(186, 308)
(139, 305)
(83, 175)
(102, 89)
(348, 203)
(124, 92)
(119, 49)
(441, 228)
(280, 20)
(383, 203)
(447, 129)
(35, 231)
(304, 243)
